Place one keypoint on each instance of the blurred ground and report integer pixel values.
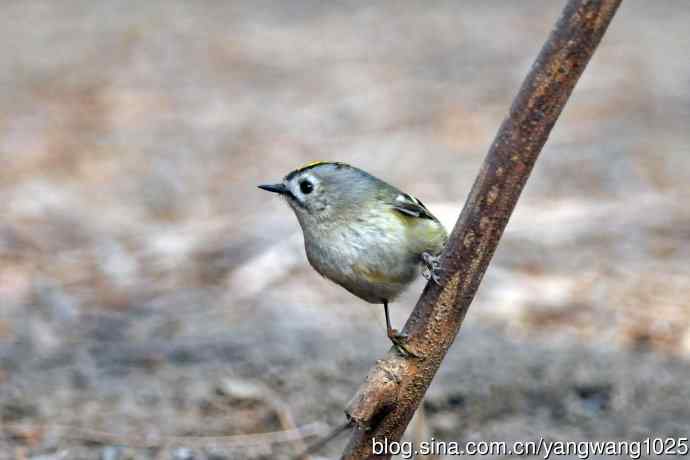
(150, 294)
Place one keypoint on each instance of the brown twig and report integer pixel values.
(287, 423)
(385, 403)
(321, 443)
(140, 441)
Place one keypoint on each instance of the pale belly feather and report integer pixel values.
(371, 261)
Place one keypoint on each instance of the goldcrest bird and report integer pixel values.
(362, 233)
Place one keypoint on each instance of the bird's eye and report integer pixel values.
(306, 187)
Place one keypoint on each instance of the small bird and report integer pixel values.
(363, 233)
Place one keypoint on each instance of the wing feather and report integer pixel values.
(411, 206)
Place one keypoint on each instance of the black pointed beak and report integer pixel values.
(275, 188)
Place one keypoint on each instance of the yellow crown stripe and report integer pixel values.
(313, 164)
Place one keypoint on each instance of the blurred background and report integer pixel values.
(154, 304)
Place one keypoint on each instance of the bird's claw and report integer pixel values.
(432, 267)
(400, 343)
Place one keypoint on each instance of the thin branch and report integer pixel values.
(287, 423)
(321, 443)
(385, 403)
(140, 441)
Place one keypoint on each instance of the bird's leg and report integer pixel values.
(391, 332)
(432, 267)
(396, 337)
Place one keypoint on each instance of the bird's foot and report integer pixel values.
(432, 267)
(400, 343)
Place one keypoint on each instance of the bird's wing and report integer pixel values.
(411, 206)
